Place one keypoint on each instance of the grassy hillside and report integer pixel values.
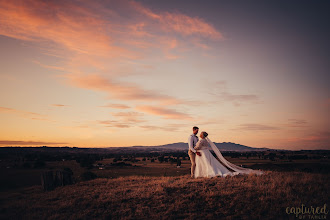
(176, 197)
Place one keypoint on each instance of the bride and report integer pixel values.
(209, 166)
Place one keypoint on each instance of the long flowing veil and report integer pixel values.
(236, 169)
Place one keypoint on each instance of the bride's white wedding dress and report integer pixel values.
(209, 166)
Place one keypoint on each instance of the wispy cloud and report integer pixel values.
(168, 127)
(164, 112)
(121, 91)
(116, 124)
(297, 123)
(60, 105)
(49, 66)
(123, 120)
(129, 117)
(256, 127)
(25, 114)
(220, 91)
(313, 139)
(117, 106)
(292, 123)
(180, 23)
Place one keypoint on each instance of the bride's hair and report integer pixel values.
(205, 134)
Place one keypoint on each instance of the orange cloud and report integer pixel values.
(164, 112)
(124, 120)
(116, 124)
(122, 91)
(118, 106)
(59, 105)
(163, 128)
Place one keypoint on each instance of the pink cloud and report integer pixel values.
(75, 27)
(180, 23)
(99, 39)
(93, 27)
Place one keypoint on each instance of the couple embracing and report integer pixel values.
(204, 164)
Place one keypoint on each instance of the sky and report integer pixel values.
(95, 73)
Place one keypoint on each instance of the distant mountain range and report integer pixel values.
(175, 147)
(181, 146)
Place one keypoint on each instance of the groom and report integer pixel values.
(192, 140)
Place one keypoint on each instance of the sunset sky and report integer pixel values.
(121, 73)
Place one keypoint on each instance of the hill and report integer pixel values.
(138, 197)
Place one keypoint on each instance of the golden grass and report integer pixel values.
(180, 197)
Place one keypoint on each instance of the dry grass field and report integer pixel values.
(146, 190)
(173, 197)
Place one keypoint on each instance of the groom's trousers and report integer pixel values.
(192, 156)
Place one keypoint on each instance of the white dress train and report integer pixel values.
(209, 166)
